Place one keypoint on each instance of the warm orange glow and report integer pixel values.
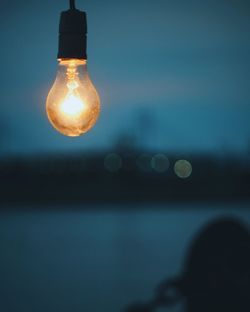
(73, 104)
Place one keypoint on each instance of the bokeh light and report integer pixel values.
(113, 162)
(183, 168)
(160, 163)
(144, 163)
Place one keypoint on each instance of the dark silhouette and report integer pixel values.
(216, 276)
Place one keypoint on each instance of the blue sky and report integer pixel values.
(185, 63)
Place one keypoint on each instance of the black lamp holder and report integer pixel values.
(72, 34)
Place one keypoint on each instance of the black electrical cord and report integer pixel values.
(72, 4)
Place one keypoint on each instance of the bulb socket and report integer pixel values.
(72, 35)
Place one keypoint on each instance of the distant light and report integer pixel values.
(113, 162)
(160, 163)
(144, 162)
(183, 168)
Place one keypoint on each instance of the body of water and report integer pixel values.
(95, 260)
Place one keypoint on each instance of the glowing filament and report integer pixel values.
(72, 106)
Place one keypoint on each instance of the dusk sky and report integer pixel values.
(185, 63)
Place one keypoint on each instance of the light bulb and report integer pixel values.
(73, 104)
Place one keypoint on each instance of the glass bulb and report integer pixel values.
(73, 104)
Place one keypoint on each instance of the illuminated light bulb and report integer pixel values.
(73, 104)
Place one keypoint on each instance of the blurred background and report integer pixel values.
(96, 222)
